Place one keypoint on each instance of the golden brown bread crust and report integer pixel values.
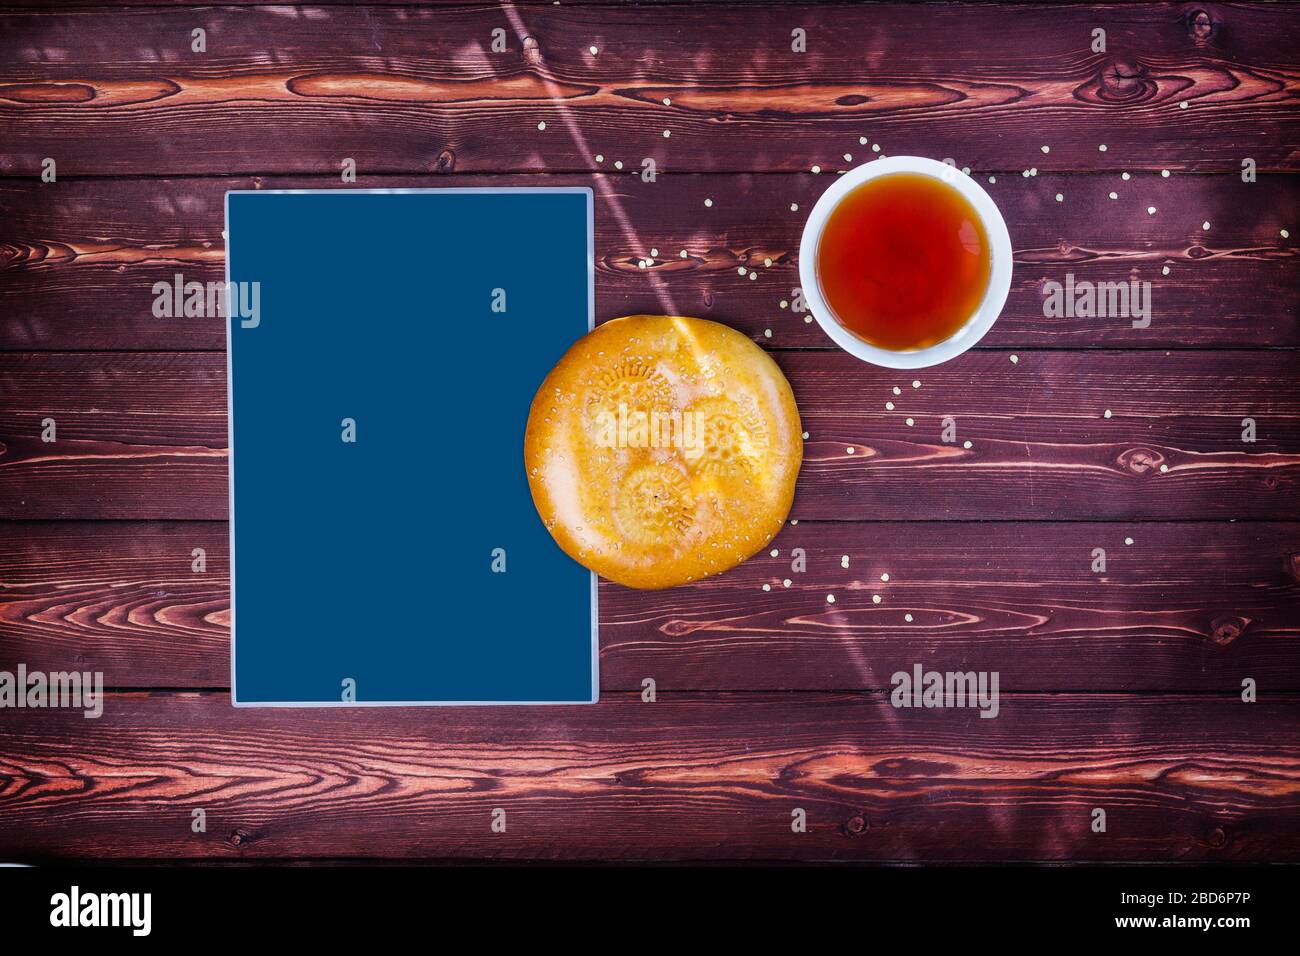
(662, 449)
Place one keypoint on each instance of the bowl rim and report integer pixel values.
(979, 322)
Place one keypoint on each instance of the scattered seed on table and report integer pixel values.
(794, 207)
(805, 436)
(897, 390)
(849, 449)
(907, 617)
(785, 583)
(816, 169)
(875, 599)
(1183, 105)
(885, 576)
(767, 587)
(1164, 271)
(830, 599)
(910, 422)
(600, 158)
(1128, 540)
(1163, 469)
(1114, 195)
(844, 560)
(1045, 149)
(741, 271)
(594, 51)
(775, 552)
(1285, 234)
(993, 179)
(916, 383)
(683, 254)
(785, 304)
(618, 164)
(965, 444)
(1205, 225)
(667, 133)
(667, 101)
(542, 125)
(1125, 177)
(889, 406)
(1164, 173)
(875, 147)
(654, 253)
(1060, 197)
(1106, 414)
(1015, 359)
(708, 202)
(767, 263)
(1101, 148)
(1151, 210)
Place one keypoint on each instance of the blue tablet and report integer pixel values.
(383, 349)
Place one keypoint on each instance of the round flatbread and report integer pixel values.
(663, 449)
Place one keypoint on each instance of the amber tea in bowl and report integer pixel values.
(905, 262)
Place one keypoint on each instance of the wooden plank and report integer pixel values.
(1195, 606)
(416, 90)
(80, 258)
(142, 435)
(711, 777)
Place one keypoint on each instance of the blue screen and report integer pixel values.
(371, 561)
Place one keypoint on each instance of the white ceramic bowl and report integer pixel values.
(999, 273)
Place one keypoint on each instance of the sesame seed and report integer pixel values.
(993, 179)
(785, 583)
(805, 436)
(897, 390)
(1046, 149)
(775, 552)
(594, 51)
(916, 383)
(767, 587)
(1164, 173)
(1106, 414)
(683, 254)
(844, 560)
(965, 444)
(541, 125)
(1163, 469)
(618, 164)
(1101, 148)
(1125, 177)
(1151, 210)
(848, 157)
(784, 304)
(849, 449)
(816, 169)
(742, 270)
(600, 158)
(1183, 105)
(654, 253)
(667, 101)
(889, 406)
(875, 599)
(1164, 271)
(875, 147)
(1128, 540)
(1205, 225)
(911, 422)
(885, 576)
(708, 202)
(794, 207)
(1060, 197)
(767, 263)
(1285, 234)
(907, 617)
(1015, 359)
(862, 141)
(667, 133)
(1114, 195)
(753, 276)
(830, 599)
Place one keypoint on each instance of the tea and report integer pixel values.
(903, 261)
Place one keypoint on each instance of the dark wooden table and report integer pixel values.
(1121, 690)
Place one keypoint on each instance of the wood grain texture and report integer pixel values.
(1193, 606)
(419, 90)
(713, 777)
(79, 259)
(143, 435)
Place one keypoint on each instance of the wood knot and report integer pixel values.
(1227, 628)
(445, 163)
(855, 825)
(1201, 26)
(239, 837)
(532, 51)
(1119, 82)
(1141, 461)
(1217, 837)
